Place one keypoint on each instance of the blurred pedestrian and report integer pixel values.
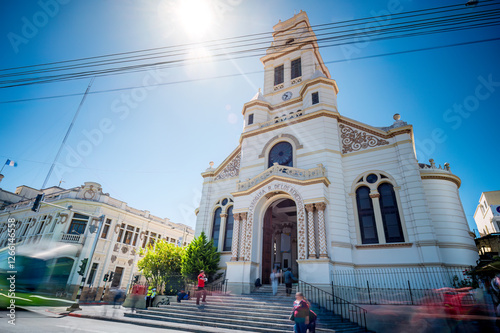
(202, 278)
(289, 278)
(118, 295)
(135, 298)
(300, 314)
(274, 280)
(312, 320)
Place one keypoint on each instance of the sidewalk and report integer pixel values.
(108, 313)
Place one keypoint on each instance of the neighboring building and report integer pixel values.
(64, 237)
(310, 189)
(8, 198)
(487, 214)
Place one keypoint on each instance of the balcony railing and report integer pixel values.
(284, 171)
(283, 118)
(72, 238)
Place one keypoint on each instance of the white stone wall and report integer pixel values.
(434, 226)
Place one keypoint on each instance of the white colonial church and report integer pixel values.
(310, 189)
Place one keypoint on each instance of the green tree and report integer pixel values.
(161, 264)
(201, 254)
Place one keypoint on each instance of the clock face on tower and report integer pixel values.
(286, 96)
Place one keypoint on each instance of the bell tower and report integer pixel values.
(295, 76)
(293, 56)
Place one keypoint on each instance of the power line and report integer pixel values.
(238, 37)
(249, 73)
(335, 25)
(416, 25)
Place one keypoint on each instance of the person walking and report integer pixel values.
(202, 278)
(274, 281)
(118, 296)
(135, 298)
(300, 314)
(289, 278)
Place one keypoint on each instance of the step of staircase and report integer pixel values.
(259, 311)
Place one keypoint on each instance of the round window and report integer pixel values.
(224, 202)
(371, 178)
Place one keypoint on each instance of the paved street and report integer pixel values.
(39, 320)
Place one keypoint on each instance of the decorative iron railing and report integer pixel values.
(405, 286)
(284, 171)
(329, 302)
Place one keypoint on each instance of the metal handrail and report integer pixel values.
(346, 310)
(214, 286)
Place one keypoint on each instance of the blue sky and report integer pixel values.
(151, 153)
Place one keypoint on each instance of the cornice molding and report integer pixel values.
(334, 115)
(441, 176)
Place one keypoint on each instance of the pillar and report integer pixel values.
(311, 239)
(323, 251)
(375, 196)
(247, 241)
(236, 237)
(222, 231)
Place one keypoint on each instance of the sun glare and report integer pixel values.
(195, 16)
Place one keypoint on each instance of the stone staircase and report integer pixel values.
(259, 311)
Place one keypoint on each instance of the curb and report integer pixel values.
(148, 323)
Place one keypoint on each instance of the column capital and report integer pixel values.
(243, 216)
(320, 206)
(223, 215)
(236, 216)
(309, 207)
(374, 195)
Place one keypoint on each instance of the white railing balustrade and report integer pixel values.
(297, 80)
(71, 238)
(279, 86)
(282, 119)
(284, 171)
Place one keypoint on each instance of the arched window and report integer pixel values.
(390, 214)
(366, 216)
(281, 153)
(216, 227)
(228, 235)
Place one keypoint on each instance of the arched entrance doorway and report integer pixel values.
(279, 243)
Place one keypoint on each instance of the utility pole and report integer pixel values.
(67, 134)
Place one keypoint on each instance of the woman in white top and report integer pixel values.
(274, 281)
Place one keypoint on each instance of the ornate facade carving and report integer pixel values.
(232, 169)
(355, 140)
(236, 237)
(323, 251)
(310, 230)
(301, 216)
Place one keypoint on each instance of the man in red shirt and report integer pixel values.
(202, 278)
